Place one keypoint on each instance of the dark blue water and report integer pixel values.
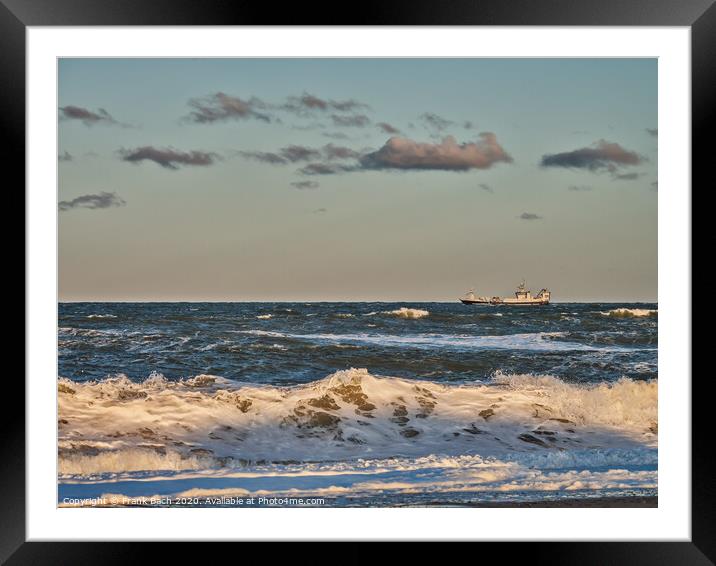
(301, 342)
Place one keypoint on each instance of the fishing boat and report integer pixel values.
(471, 299)
(523, 296)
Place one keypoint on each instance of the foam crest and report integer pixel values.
(371, 478)
(404, 312)
(349, 414)
(552, 341)
(630, 313)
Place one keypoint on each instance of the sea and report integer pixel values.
(355, 404)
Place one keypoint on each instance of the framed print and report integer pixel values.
(417, 276)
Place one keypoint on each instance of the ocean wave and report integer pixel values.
(630, 313)
(404, 312)
(101, 316)
(540, 341)
(207, 421)
(264, 316)
(370, 478)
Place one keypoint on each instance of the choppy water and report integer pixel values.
(292, 343)
(453, 403)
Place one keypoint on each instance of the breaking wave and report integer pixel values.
(405, 312)
(629, 313)
(543, 341)
(116, 425)
(431, 476)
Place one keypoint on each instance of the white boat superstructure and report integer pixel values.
(523, 296)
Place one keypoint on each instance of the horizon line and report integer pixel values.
(199, 301)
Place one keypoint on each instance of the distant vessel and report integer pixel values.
(523, 296)
(471, 299)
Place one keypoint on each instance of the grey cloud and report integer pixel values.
(486, 187)
(87, 117)
(320, 211)
(65, 156)
(305, 185)
(387, 128)
(92, 202)
(339, 152)
(351, 121)
(336, 135)
(265, 157)
(308, 127)
(325, 169)
(403, 153)
(296, 153)
(435, 122)
(220, 107)
(579, 188)
(627, 177)
(529, 216)
(168, 158)
(307, 103)
(602, 155)
(653, 132)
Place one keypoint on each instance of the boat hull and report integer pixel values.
(506, 303)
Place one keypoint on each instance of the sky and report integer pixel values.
(356, 179)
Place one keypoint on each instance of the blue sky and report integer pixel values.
(157, 203)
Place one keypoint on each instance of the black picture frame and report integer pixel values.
(17, 15)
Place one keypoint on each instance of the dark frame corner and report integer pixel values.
(700, 15)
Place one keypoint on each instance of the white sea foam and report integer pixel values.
(129, 460)
(541, 341)
(628, 313)
(265, 316)
(101, 316)
(117, 425)
(428, 475)
(404, 312)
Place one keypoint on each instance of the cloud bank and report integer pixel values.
(169, 158)
(220, 107)
(297, 153)
(602, 155)
(87, 117)
(405, 154)
(307, 103)
(92, 202)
